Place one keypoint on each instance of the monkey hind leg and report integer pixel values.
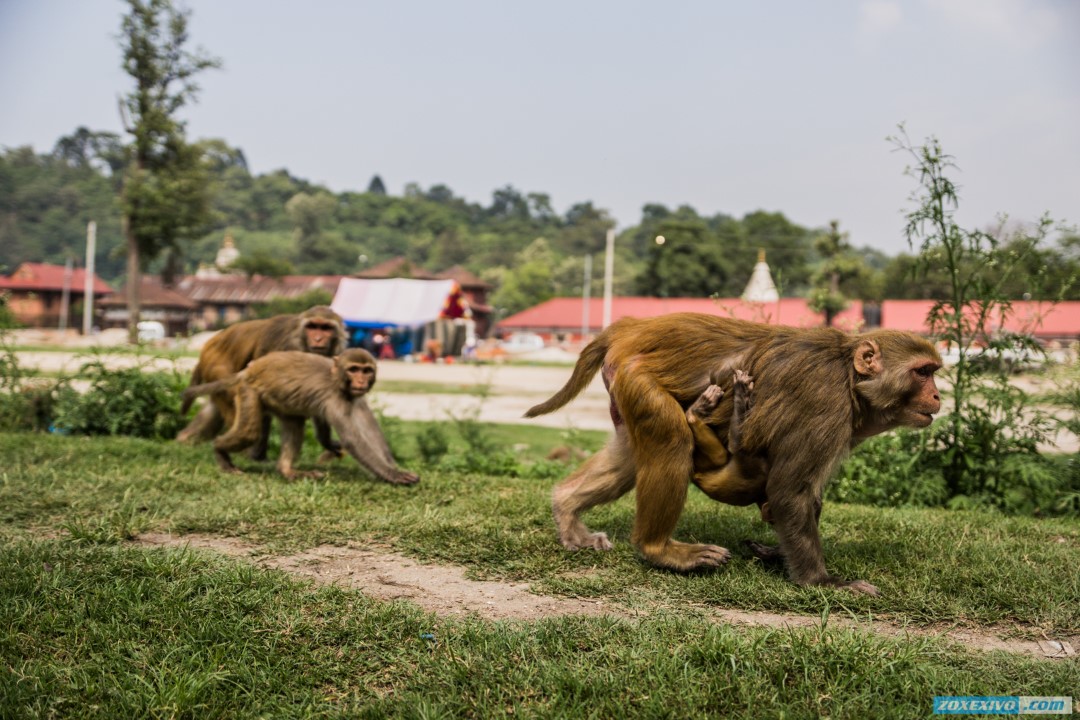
(603, 478)
(663, 448)
(258, 451)
(244, 431)
(292, 441)
(204, 426)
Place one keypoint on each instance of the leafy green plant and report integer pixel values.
(26, 403)
(988, 443)
(127, 401)
(432, 443)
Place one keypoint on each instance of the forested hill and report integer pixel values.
(283, 224)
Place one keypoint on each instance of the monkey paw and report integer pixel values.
(405, 478)
(707, 401)
(765, 553)
(587, 541)
(684, 557)
(861, 586)
(328, 456)
(742, 387)
(712, 556)
(307, 474)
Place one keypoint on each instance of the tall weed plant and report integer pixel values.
(986, 447)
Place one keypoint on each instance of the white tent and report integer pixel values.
(394, 302)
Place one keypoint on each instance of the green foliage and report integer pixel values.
(891, 470)
(432, 443)
(291, 306)
(165, 197)
(7, 317)
(530, 281)
(839, 266)
(262, 263)
(127, 401)
(26, 403)
(985, 452)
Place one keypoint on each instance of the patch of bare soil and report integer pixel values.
(444, 590)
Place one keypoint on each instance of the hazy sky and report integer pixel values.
(726, 106)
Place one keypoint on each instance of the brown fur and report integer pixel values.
(297, 385)
(727, 474)
(233, 348)
(818, 392)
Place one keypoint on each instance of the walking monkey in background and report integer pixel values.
(818, 392)
(298, 385)
(317, 330)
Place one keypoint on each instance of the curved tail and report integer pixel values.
(196, 378)
(589, 362)
(194, 391)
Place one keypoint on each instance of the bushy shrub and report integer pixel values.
(432, 443)
(127, 401)
(890, 470)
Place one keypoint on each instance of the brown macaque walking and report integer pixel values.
(818, 392)
(317, 330)
(298, 385)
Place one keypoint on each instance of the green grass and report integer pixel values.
(98, 631)
(93, 627)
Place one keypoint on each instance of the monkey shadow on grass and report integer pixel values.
(735, 527)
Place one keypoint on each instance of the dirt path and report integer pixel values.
(444, 590)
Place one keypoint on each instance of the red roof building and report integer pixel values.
(562, 319)
(226, 299)
(35, 292)
(156, 302)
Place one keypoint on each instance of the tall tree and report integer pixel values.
(165, 196)
(376, 186)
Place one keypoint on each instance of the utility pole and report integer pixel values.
(88, 283)
(65, 296)
(586, 294)
(609, 271)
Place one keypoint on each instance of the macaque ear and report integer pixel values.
(868, 358)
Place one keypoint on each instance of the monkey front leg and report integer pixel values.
(362, 438)
(333, 449)
(796, 508)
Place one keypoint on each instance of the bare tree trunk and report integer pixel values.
(134, 280)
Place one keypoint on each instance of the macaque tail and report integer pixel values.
(589, 362)
(195, 391)
(196, 378)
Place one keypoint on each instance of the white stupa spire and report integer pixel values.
(761, 287)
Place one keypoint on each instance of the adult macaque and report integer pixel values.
(297, 385)
(317, 330)
(818, 392)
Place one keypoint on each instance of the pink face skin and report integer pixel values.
(926, 400)
(319, 335)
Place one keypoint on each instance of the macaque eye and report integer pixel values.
(925, 371)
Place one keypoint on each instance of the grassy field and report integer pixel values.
(92, 625)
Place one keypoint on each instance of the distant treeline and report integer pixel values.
(285, 225)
